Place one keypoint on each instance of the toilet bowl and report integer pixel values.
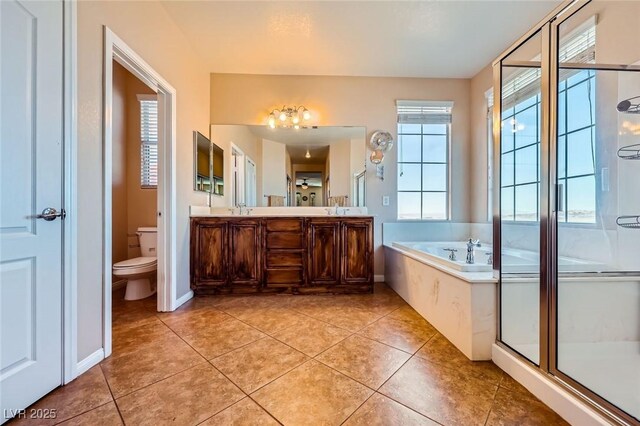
(140, 272)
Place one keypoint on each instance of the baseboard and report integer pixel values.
(570, 408)
(378, 278)
(90, 361)
(181, 301)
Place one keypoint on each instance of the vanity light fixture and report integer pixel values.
(288, 117)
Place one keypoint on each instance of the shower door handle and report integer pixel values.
(560, 197)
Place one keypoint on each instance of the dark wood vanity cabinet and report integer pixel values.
(324, 252)
(281, 254)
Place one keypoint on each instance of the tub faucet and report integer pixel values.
(452, 253)
(471, 244)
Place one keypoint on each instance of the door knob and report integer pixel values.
(50, 214)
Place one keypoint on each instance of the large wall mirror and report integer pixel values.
(208, 165)
(313, 166)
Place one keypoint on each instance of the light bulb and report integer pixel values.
(295, 119)
(307, 155)
(295, 126)
(306, 114)
(272, 124)
(272, 121)
(283, 116)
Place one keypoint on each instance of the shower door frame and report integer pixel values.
(548, 274)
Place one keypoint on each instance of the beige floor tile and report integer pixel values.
(273, 319)
(241, 306)
(312, 336)
(349, 318)
(382, 411)
(408, 336)
(245, 412)
(312, 394)
(184, 399)
(259, 363)
(511, 384)
(192, 322)
(515, 408)
(364, 360)
(407, 313)
(83, 394)
(442, 394)
(153, 362)
(439, 350)
(131, 339)
(105, 415)
(212, 342)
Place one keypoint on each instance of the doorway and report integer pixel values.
(166, 252)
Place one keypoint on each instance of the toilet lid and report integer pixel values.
(136, 262)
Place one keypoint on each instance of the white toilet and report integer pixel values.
(140, 272)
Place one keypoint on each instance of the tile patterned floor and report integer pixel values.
(292, 360)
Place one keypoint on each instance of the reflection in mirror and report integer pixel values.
(208, 165)
(313, 166)
(202, 163)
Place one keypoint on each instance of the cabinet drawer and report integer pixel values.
(284, 225)
(284, 276)
(284, 240)
(284, 258)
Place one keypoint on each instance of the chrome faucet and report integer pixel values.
(471, 244)
(240, 206)
(452, 253)
(489, 258)
(337, 209)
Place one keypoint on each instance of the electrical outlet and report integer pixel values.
(385, 200)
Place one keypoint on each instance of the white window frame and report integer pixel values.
(146, 178)
(425, 113)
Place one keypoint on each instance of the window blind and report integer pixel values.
(424, 112)
(148, 143)
(578, 46)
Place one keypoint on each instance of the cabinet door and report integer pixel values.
(245, 252)
(209, 253)
(357, 248)
(324, 252)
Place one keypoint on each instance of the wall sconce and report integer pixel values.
(288, 117)
(379, 143)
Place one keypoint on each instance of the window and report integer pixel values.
(148, 141)
(424, 135)
(520, 147)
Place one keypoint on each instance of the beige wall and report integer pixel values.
(119, 250)
(132, 206)
(478, 150)
(353, 101)
(150, 32)
(142, 204)
(249, 144)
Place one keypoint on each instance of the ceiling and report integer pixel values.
(318, 154)
(437, 39)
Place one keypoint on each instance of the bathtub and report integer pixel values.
(513, 260)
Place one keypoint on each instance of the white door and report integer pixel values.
(250, 170)
(30, 181)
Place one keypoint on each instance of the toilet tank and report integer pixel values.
(148, 241)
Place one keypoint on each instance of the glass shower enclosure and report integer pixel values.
(567, 201)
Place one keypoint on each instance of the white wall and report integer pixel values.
(340, 168)
(150, 32)
(274, 172)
